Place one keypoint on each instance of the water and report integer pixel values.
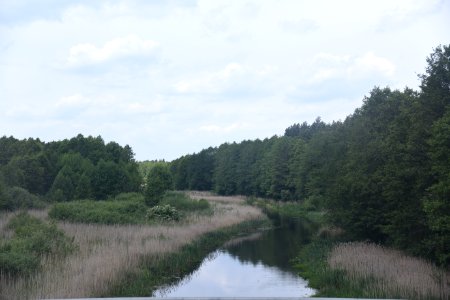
(256, 267)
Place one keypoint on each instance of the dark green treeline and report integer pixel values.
(79, 168)
(382, 174)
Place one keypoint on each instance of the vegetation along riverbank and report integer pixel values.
(108, 255)
(336, 266)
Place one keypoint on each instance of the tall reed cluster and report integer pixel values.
(107, 252)
(389, 272)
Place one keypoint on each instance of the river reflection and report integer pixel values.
(253, 268)
(222, 275)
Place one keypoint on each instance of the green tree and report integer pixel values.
(159, 180)
(437, 201)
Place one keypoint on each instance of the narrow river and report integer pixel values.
(256, 266)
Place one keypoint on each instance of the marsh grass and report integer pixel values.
(390, 272)
(106, 253)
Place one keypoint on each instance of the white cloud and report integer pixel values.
(211, 82)
(328, 66)
(233, 77)
(370, 62)
(73, 101)
(131, 45)
(224, 128)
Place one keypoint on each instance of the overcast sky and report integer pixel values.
(173, 77)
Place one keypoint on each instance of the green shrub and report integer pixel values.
(32, 240)
(129, 197)
(103, 212)
(159, 180)
(16, 197)
(163, 212)
(182, 202)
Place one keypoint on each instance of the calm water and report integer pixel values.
(258, 267)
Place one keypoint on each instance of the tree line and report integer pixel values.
(77, 168)
(382, 174)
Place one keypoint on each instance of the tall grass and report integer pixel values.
(389, 272)
(107, 252)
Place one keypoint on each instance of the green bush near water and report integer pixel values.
(32, 239)
(102, 212)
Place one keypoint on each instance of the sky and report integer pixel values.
(171, 78)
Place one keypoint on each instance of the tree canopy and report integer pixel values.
(81, 167)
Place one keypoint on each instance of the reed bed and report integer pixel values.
(106, 252)
(5, 217)
(389, 272)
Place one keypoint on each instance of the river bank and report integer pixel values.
(111, 254)
(337, 266)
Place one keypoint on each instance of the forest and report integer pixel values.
(79, 168)
(382, 174)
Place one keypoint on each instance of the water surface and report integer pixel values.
(258, 267)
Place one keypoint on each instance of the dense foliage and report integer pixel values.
(382, 174)
(32, 240)
(131, 210)
(158, 181)
(79, 168)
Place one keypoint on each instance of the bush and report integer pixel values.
(159, 180)
(103, 212)
(16, 197)
(32, 240)
(129, 197)
(163, 212)
(182, 202)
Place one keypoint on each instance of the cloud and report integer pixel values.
(299, 26)
(76, 100)
(330, 66)
(233, 79)
(369, 62)
(223, 128)
(211, 82)
(121, 47)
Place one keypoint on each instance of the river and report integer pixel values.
(254, 266)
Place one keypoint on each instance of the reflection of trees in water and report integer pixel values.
(177, 281)
(275, 247)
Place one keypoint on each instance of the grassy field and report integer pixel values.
(108, 253)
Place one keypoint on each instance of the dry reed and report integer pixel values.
(107, 252)
(4, 220)
(394, 273)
